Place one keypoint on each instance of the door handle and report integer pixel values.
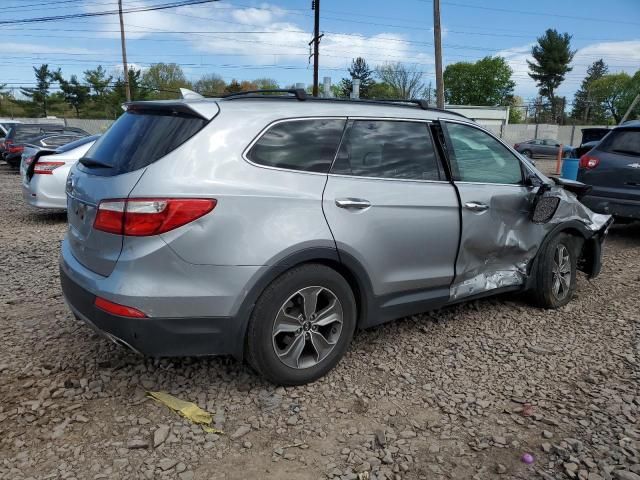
(353, 203)
(476, 206)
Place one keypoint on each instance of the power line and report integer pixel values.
(541, 14)
(164, 6)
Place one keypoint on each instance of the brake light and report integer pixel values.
(516, 145)
(117, 309)
(589, 162)
(14, 148)
(44, 168)
(141, 217)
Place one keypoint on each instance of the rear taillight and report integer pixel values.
(516, 145)
(117, 309)
(589, 162)
(141, 217)
(14, 148)
(45, 168)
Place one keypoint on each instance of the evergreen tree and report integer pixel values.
(360, 70)
(585, 108)
(40, 94)
(73, 92)
(552, 56)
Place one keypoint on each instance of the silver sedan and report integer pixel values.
(44, 173)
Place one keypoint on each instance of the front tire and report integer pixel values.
(302, 325)
(556, 273)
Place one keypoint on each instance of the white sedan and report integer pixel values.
(44, 173)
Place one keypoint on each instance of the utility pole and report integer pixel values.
(127, 89)
(630, 109)
(315, 5)
(437, 41)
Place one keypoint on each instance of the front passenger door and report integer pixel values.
(497, 234)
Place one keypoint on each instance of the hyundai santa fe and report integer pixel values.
(272, 227)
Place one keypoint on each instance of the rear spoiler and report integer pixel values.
(205, 109)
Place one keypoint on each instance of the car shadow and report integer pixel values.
(47, 216)
(627, 232)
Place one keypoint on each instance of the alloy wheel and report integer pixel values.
(561, 272)
(307, 327)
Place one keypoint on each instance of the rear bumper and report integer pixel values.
(46, 191)
(13, 159)
(37, 199)
(612, 206)
(156, 337)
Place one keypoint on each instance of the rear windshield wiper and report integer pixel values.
(88, 162)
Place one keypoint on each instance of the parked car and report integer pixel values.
(44, 172)
(44, 135)
(612, 169)
(541, 148)
(590, 138)
(270, 227)
(5, 125)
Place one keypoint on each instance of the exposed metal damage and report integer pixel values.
(521, 239)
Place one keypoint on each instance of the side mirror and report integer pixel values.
(532, 180)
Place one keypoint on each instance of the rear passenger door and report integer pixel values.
(390, 207)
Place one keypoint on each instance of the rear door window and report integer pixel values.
(138, 138)
(388, 149)
(307, 145)
(623, 141)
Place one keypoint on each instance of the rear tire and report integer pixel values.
(527, 153)
(555, 281)
(301, 325)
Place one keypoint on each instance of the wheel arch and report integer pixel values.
(344, 264)
(588, 253)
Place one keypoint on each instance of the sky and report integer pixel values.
(247, 39)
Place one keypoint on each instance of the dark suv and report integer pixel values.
(612, 169)
(22, 134)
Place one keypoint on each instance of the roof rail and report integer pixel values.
(299, 93)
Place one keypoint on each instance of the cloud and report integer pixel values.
(623, 56)
(35, 48)
(285, 42)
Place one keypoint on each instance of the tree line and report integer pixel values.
(603, 97)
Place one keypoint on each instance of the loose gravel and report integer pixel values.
(461, 393)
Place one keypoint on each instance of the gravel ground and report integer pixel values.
(460, 393)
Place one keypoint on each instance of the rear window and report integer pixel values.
(24, 133)
(59, 140)
(77, 143)
(305, 145)
(624, 141)
(138, 138)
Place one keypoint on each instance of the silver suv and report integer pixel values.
(271, 227)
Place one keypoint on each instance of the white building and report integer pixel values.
(491, 117)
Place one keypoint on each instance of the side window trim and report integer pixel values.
(453, 164)
(427, 122)
(262, 132)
